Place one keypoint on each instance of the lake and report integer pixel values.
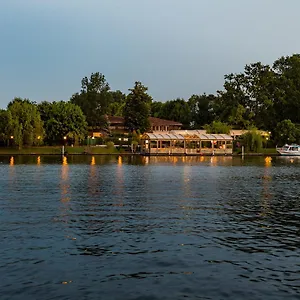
(109, 227)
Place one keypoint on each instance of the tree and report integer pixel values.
(250, 93)
(63, 119)
(252, 141)
(156, 109)
(217, 127)
(287, 101)
(286, 132)
(117, 103)
(137, 108)
(93, 99)
(26, 121)
(6, 126)
(237, 117)
(200, 110)
(177, 110)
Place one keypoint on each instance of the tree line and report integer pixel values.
(262, 96)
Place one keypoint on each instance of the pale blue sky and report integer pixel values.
(175, 47)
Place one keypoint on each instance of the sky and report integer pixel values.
(176, 48)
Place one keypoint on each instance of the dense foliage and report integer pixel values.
(262, 96)
(24, 127)
(137, 108)
(62, 120)
(93, 99)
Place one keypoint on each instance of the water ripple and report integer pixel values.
(198, 228)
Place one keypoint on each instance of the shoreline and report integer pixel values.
(140, 154)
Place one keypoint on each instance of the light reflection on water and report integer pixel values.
(127, 227)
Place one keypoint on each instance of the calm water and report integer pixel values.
(160, 228)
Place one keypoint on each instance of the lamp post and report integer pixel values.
(12, 139)
(63, 147)
(266, 143)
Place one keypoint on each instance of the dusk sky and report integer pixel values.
(177, 48)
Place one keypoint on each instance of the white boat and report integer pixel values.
(289, 150)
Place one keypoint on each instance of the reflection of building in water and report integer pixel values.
(64, 184)
(266, 181)
(145, 160)
(185, 204)
(12, 177)
(119, 188)
(93, 187)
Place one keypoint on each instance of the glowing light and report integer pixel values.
(120, 160)
(11, 136)
(12, 161)
(65, 160)
(93, 162)
(268, 161)
(38, 160)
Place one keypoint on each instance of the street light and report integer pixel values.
(63, 147)
(12, 138)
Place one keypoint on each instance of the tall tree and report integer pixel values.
(27, 123)
(200, 109)
(286, 132)
(117, 103)
(93, 99)
(62, 119)
(249, 95)
(287, 101)
(6, 126)
(156, 109)
(137, 108)
(177, 110)
(217, 127)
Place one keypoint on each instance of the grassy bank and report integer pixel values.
(56, 150)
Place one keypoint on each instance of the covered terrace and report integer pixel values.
(188, 142)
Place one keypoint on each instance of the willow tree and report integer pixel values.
(6, 127)
(26, 122)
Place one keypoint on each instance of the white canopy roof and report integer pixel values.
(186, 135)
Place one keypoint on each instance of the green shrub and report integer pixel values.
(110, 145)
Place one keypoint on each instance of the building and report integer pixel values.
(185, 142)
(163, 125)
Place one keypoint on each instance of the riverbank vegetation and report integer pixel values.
(261, 97)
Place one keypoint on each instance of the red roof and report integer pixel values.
(162, 122)
(153, 121)
(115, 120)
